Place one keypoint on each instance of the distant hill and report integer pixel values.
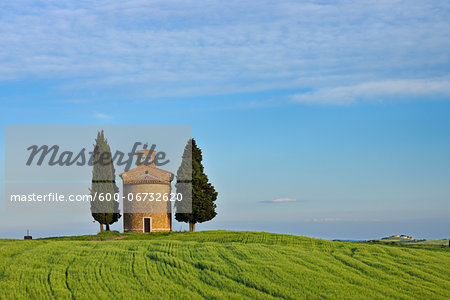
(405, 239)
(219, 265)
(400, 237)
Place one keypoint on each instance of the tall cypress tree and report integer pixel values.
(202, 196)
(104, 207)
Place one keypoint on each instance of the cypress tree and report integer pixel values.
(104, 207)
(202, 195)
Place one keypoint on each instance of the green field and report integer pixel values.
(219, 264)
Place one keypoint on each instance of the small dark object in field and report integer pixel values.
(28, 236)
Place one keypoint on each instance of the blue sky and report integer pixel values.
(341, 106)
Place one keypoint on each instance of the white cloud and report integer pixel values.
(327, 220)
(377, 91)
(187, 47)
(101, 116)
(74, 101)
(280, 200)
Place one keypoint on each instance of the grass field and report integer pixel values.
(219, 264)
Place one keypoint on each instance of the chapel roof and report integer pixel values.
(146, 173)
